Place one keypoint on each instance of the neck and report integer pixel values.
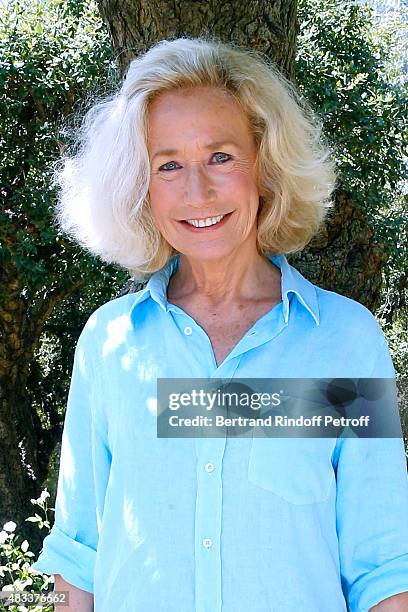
(237, 277)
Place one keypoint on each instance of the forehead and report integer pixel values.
(200, 110)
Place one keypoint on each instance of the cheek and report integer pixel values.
(242, 187)
(162, 198)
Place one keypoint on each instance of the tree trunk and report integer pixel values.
(25, 443)
(344, 257)
(269, 26)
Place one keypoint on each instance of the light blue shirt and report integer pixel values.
(222, 524)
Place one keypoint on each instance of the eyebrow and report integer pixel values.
(212, 145)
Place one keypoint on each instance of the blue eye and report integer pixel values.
(173, 165)
(225, 155)
(168, 164)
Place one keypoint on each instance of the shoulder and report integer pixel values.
(110, 319)
(109, 311)
(334, 312)
(338, 310)
(355, 330)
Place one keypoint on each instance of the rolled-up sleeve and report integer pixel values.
(70, 547)
(372, 511)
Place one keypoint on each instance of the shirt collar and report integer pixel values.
(291, 282)
(294, 282)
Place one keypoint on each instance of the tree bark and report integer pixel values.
(344, 257)
(25, 443)
(270, 26)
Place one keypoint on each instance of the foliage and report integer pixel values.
(16, 559)
(49, 59)
(349, 65)
(342, 68)
(55, 57)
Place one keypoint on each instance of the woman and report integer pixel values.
(201, 173)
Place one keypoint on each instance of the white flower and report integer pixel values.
(10, 526)
(3, 536)
(40, 501)
(24, 546)
(43, 496)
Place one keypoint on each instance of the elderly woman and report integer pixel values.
(201, 173)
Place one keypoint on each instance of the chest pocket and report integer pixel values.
(299, 470)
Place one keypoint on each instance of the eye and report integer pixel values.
(221, 160)
(172, 165)
(167, 169)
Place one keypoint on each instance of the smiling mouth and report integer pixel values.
(206, 222)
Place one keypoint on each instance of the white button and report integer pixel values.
(188, 330)
(209, 467)
(207, 542)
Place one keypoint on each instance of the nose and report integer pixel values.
(199, 190)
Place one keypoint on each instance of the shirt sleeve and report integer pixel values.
(70, 547)
(372, 511)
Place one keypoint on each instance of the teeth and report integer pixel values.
(205, 222)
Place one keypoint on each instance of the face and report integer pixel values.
(202, 157)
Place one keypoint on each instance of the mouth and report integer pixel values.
(209, 224)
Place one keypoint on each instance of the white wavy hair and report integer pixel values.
(103, 198)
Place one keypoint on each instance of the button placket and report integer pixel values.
(208, 524)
